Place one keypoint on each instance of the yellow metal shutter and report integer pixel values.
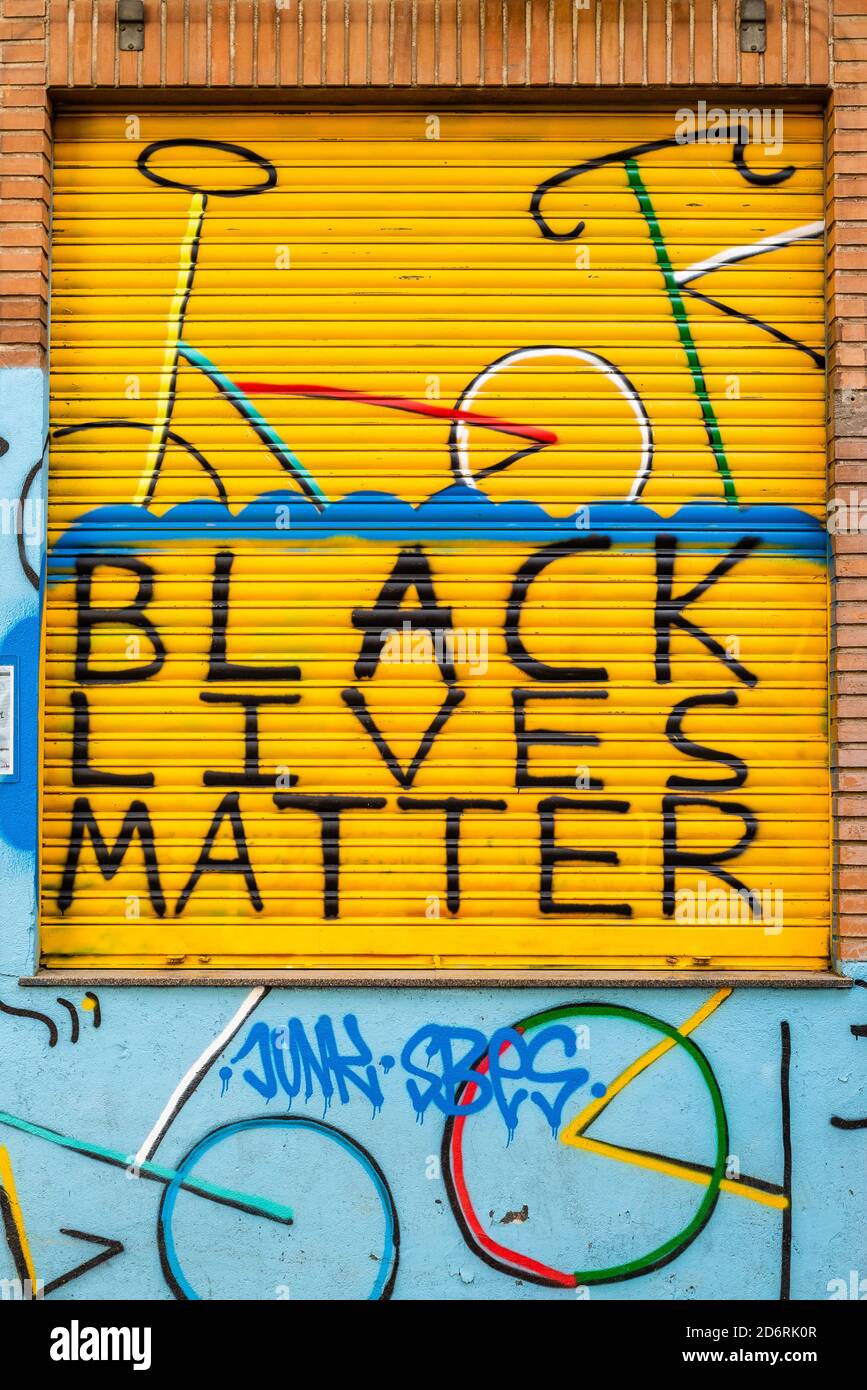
(437, 567)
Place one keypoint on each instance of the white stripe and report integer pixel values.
(743, 253)
(154, 1139)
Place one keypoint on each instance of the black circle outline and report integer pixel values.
(266, 1120)
(171, 435)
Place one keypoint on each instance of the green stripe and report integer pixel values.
(675, 299)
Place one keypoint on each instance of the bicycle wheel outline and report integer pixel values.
(458, 442)
(511, 1262)
(173, 1274)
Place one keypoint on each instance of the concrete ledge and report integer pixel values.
(442, 979)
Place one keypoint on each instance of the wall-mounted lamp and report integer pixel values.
(130, 25)
(754, 26)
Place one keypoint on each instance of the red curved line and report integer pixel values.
(511, 1257)
(439, 412)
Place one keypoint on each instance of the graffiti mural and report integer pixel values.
(435, 576)
(673, 1144)
(479, 484)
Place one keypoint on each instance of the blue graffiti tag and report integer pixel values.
(487, 1065)
(504, 1070)
(291, 1062)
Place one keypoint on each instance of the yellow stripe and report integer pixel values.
(170, 355)
(573, 1133)
(577, 1126)
(7, 1182)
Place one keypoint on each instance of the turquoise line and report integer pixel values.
(263, 1205)
(681, 319)
(245, 407)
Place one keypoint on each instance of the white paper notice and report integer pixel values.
(7, 715)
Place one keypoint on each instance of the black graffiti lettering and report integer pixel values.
(220, 668)
(329, 809)
(252, 775)
(137, 821)
(705, 861)
(454, 808)
(668, 610)
(525, 738)
(676, 736)
(411, 571)
(125, 615)
(83, 774)
(551, 854)
(529, 570)
(229, 808)
(354, 698)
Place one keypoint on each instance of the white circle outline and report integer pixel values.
(593, 359)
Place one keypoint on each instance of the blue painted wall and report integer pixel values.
(122, 1120)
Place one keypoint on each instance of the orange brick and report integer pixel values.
(22, 307)
(21, 29)
(14, 260)
(469, 65)
(14, 165)
(849, 26)
(21, 99)
(703, 55)
(447, 64)
(539, 65)
(23, 75)
(819, 52)
(266, 40)
(491, 31)
(22, 52)
(311, 44)
(681, 48)
(220, 54)
(29, 187)
(586, 44)
(852, 853)
(243, 64)
(173, 58)
(853, 950)
(852, 879)
(23, 282)
(21, 355)
(516, 44)
(23, 234)
(196, 53)
(58, 43)
(335, 52)
(25, 212)
(25, 9)
(851, 565)
(151, 62)
(654, 59)
(289, 64)
(21, 331)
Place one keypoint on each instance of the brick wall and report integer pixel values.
(612, 46)
(25, 162)
(847, 428)
(436, 43)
